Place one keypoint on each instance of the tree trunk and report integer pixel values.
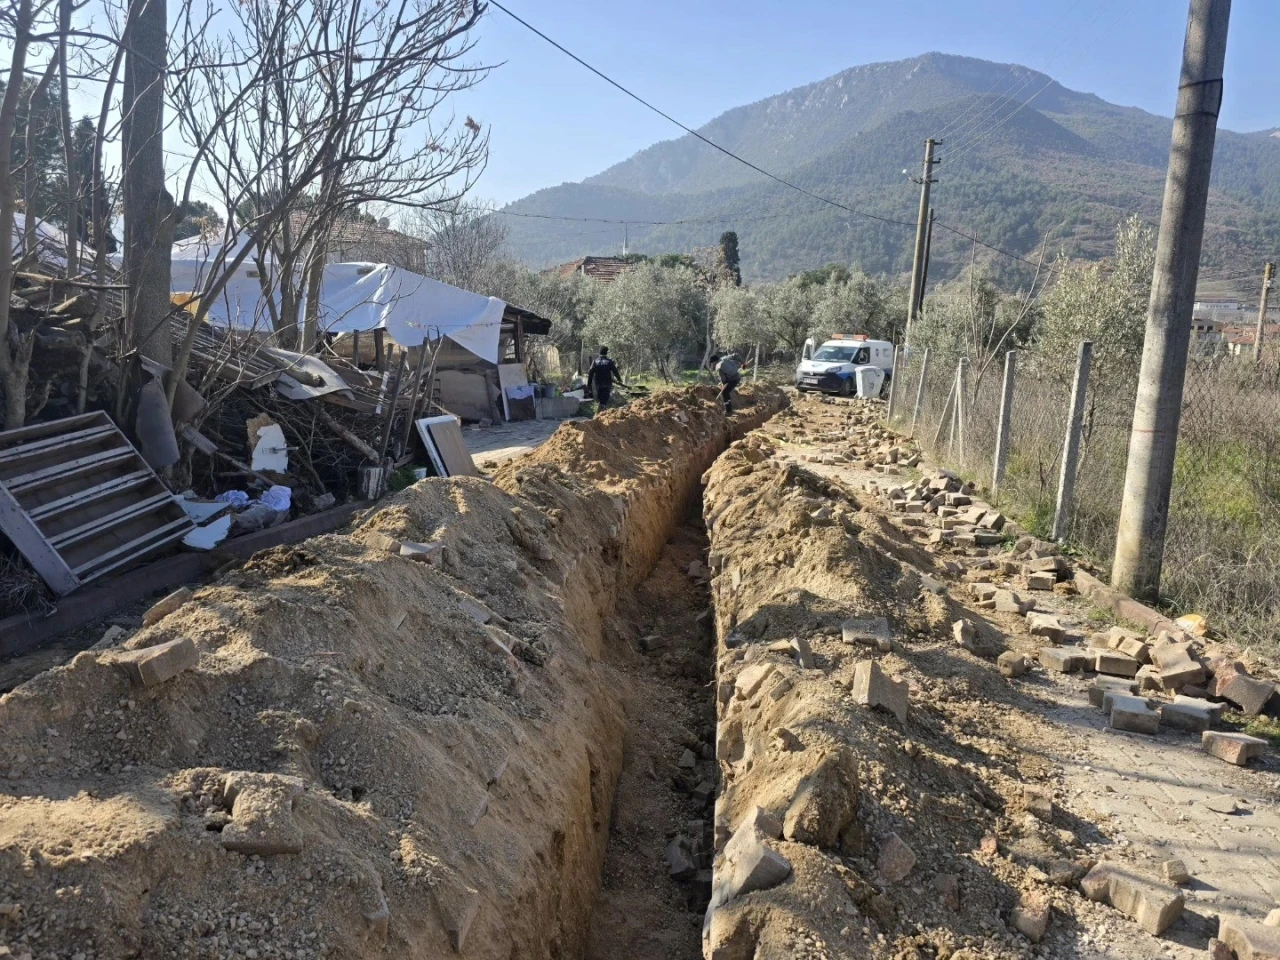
(148, 208)
(72, 199)
(13, 374)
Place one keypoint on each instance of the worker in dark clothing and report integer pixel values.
(601, 376)
(729, 369)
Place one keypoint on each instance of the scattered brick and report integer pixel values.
(1248, 693)
(1133, 647)
(1175, 871)
(751, 678)
(983, 591)
(964, 633)
(1133, 714)
(874, 688)
(1063, 659)
(1045, 625)
(1237, 748)
(749, 865)
(872, 632)
(1039, 803)
(154, 665)
(1101, 686)
(1153, 904)
(1041, 581)
(1011, 664)
(1009, 602)
(1185, 716)
(1116, 664)
(1250, 939)
(1031, 916)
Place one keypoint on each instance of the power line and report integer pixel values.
(723, 218)
(983, 243)
(689, 130)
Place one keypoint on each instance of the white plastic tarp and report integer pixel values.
(359, 297)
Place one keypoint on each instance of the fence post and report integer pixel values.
(962, 401)
(924, 377)
(946, 415)
(1002, 432)
(1071, 448)
(893, 385)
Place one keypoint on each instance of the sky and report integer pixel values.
(551, 121)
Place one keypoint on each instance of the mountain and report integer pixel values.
(1062, 165)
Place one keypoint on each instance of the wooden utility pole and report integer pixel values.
(148, 207)
(1268, 272)
(1148, 482)
(922, 229)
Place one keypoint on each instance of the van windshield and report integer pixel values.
(850, 354)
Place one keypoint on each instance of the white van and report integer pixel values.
(847, 364)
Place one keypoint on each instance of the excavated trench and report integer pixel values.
(495, 753)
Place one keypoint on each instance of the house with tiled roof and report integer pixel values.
(603, 269)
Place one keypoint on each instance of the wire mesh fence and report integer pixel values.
(1222, 550)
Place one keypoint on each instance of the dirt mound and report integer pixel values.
(889, 825)
(373, 754)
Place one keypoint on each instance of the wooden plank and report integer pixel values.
(24, 450)
(38, 430)
(61, 471)
(447, 434)
(184, 522)
(17, 526)
(119, 484)
(102, 524)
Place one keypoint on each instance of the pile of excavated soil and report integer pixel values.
(373, 755)
(905, 839)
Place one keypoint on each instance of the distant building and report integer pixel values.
(603, 269)
(354, 240)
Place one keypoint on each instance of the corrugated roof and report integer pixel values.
(603, 269)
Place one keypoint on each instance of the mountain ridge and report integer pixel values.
(1066, 159)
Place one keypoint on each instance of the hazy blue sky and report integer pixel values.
(552, 121)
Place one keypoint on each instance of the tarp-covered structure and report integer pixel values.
(354, 297)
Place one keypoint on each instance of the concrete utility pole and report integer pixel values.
(1268, 272)
(1005, 424)
(1148, 482)
(922, 229)
(1071, 446)
(924, 271)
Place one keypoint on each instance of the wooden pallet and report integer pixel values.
(79, 502)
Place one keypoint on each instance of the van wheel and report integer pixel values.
(846, 387)
(884, 389)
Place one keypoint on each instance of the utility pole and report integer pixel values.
(626, 235)
(924, 271)
(1148, 482)
(1268, 272)
(922, 226)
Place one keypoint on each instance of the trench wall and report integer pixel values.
(423, 754)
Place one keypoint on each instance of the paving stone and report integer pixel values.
(1011, 664)
(1116, 664)
(802, 652)
(874, 688)
(1222, 803)
(154, 665)
(749, 865)
(1039, 803)
(1185, 716)
(1236, 748)
(1041, 581)
(1101, 686)
(167, 606)
(1133, 714)
(1153, 904)
(766, 823)
(1223, 674)
(948, 887)
(1045, 625)
(872, 631)
(1031, 916)
(1148, 677)
(983, 591)
(1248, 693)
(1250, 939)
(1133, 647)
(1052, 564)
(1214, 709)
(1063, 659)
(431, 553)
(679, 855)
(992, 520)
(262, 814)
(1175, 871)
(896, 859)
(1185, 673)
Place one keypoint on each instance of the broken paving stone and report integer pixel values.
(688, 760)
(1063, 659)
(992, 520)
(150, 666)
(964, 633)
(896, 859)
(1133, 647)
(1102, 686)
(1236, 748)
(1222, 803)
(1009, 602)
(983, 591)
(874, 688)
(1011, 664)
(166, 606)
(1248, 693)
(749, 865)
(1152, 904)
(1175, 871)
(825, 802)
(871, 631)
(262, 814)
(932, 585)
(1250, 939)
(1045, 625)
(1031, 916)
(803, 652)
(112, 637)
(1133, 714)
(750, 679)
(422, 552)
(763, 821)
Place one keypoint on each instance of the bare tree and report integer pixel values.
(306, 112)
(464, 241)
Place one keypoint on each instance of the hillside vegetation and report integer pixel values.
(1068, 166)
